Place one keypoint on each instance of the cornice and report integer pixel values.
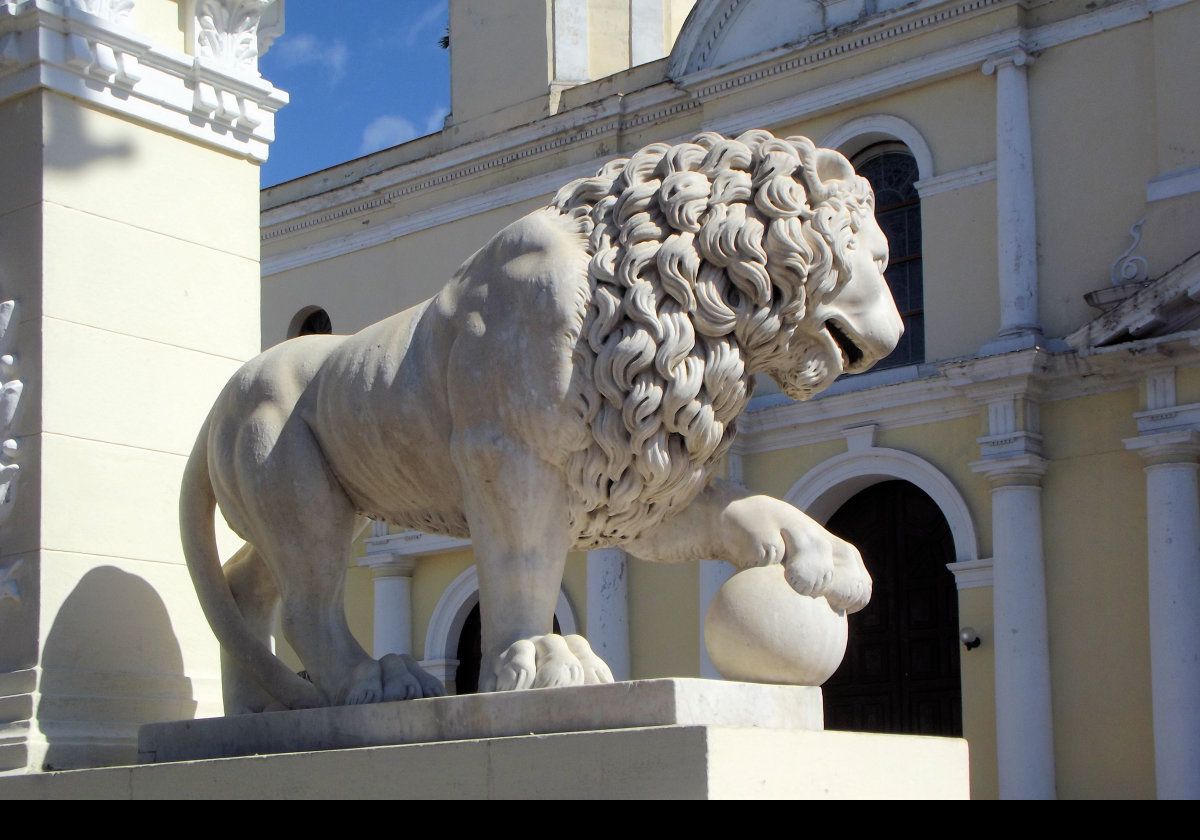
(613, 116)
(962, 388)
(49, 45)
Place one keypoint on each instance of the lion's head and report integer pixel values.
(711, 261)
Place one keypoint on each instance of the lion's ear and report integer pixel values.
(833, 166)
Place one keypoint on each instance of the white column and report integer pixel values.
(1013, 465)
(1173, 528)
(608, 609)
(1016, 216)
(393, 606)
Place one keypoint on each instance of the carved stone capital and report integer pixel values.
(1017, 57)
(114, 11)
(1024, 470)
(1178, 446)
(232, 34)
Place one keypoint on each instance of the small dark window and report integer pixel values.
(313, 321)
(892, 172)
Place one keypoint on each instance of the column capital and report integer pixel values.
(1020, 470)
(1177, 446)
(1016, 57)
(389, 565)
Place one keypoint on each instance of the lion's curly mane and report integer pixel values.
(706, 258)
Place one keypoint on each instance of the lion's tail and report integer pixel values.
(197, 503)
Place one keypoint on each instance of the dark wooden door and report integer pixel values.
(901, 671)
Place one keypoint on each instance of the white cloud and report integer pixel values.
(435, 14)
(436, 120)
(308, 50)
(383, 132)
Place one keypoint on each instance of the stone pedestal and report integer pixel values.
(653, 739)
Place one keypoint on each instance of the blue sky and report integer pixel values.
(363, 75)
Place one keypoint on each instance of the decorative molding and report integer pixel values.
(959, 179)
(393, 229)
(616, 115)
(830, 484)
(972, 574)
(1129, 268)
(821, 48)
(11, 388)
(388, 548)
(114, 11)
(1173, 184)
(80, 55)
(1166, 304)
(871, 129)
(9, 588)
(226, 33)
(1168, 419)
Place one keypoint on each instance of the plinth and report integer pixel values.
(677, 738)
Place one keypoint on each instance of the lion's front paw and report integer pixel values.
(404, 679)
(547, 662)
(762, 531)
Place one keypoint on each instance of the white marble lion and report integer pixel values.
(574, 385)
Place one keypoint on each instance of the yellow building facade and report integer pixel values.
(1049, 410)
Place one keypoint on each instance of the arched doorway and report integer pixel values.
(470, 653)
(901, 671)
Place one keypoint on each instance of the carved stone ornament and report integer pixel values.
(115, 11)
(11, 388)
(574, 386)
(234, 33)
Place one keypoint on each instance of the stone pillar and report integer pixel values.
(608, 609)
(1016, 211)
(1013, 465)
(130, 133)
(393, 604)
(1169, 443)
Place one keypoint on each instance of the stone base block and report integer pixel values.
(624, 705)
(661, 762)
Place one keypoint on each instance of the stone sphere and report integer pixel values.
(759, 629)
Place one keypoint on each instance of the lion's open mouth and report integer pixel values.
(851, 354)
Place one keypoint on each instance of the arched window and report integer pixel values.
(311, 320)
(892, 171)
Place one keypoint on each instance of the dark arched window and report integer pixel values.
(892, 172)
(311, 320)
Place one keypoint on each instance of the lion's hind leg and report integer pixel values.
(257, 597)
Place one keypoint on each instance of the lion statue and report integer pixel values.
(574, 385)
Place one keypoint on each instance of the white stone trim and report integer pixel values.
(972, 574)
(959, 179)
(1173, 184)
(387, 548)
(443, 214)
(455, 604)
(51, 46)
(830, 484)
(852, 137)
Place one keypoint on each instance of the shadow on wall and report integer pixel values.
(70, 146)
(110, 664)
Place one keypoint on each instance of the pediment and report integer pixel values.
(1161, 307)
(724, 32)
